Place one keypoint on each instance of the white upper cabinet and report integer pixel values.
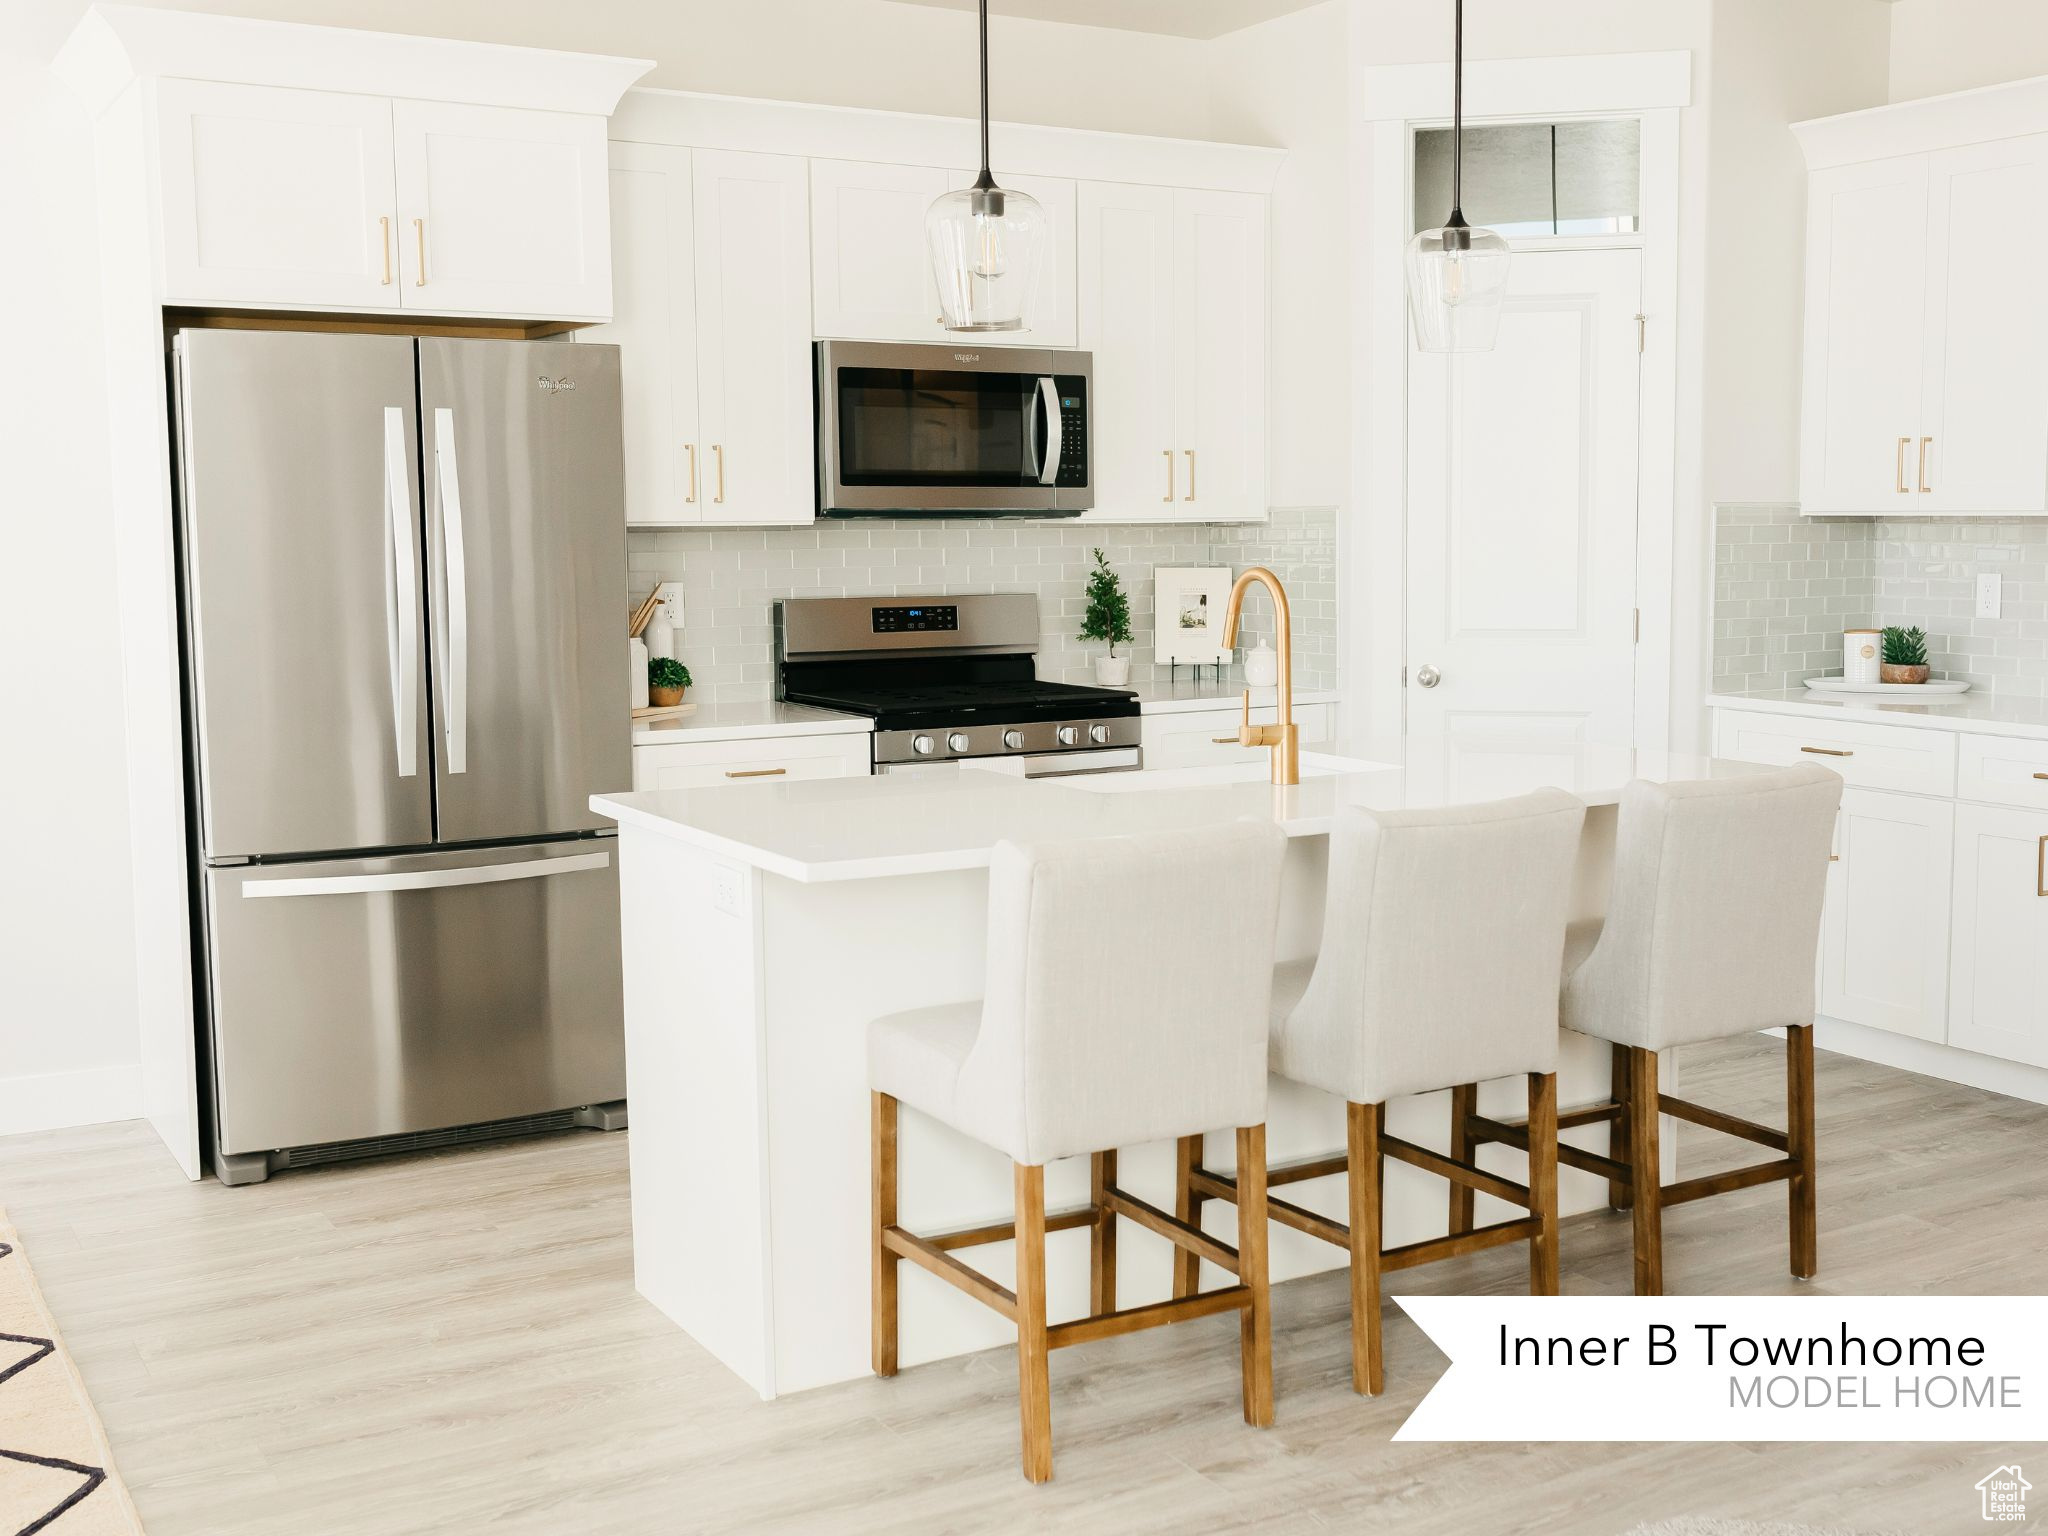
(501, 211)
(276, 197)
(871, 274)
(1926, 371)
(1172, 300)
(713, 325)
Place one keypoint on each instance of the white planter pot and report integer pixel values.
(1113, 671)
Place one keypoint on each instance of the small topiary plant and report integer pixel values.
(1109, 607)
(1905, 647)
(665, 672)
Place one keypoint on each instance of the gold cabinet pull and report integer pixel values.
(1191, 476)
(1925, 443)
(384, 245)
(718, 458)
(754, 773)
(1899, 467)
(2041, 775)
(419, 235)
(1169, 476)
(1827, 752)
(691, 494)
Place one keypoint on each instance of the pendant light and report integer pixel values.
(1457, 275)
(985, 242)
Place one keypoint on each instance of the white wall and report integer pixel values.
(1953, 45)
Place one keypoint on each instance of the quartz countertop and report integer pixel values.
(1187, 696)
(1981, 712)
(865, 828)
(746, 721)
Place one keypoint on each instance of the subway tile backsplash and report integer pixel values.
(1786, 586)
(733, 576)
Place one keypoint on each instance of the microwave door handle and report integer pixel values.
(1049, 405)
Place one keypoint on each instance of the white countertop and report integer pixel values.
(866, 828)
(1984, 713)
(1186, 696)
(745, 721)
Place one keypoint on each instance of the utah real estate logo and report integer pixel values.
(2005, 1494)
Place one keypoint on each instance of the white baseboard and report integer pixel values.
(1947, 1062)
(51, 1101)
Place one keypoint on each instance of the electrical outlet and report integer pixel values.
(725, 889)
(1990, 594)
(670, 602)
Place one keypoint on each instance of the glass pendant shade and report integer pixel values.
(986, 246)
(1457, 278)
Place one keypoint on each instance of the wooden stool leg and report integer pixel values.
(883, 1288)
(1464, 1104)
(1647, 1166)
(1618, 1196)
(1543, 1182)
(1034, 1380)
(1362, 1147)
(1187, 1205)
(1102, 1236)
(1256, 1320)
(1799, 1119)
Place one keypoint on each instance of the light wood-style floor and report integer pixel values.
(452, 1344)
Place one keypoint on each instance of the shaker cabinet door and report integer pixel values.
(870, 268)
(1885, 934)
(1219, 325)
(1125, 293)
(276, 197)
(1998, 997)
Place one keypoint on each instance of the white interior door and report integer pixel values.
(754, 406)
(1983, 443)
(503, 211)
(654, 326)
(1521, 588)
(1866, 260)
(1125, 293)
(1219, 321)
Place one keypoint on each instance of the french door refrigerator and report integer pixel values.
(403, 561)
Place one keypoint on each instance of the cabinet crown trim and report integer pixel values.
(115, 45)
(1976, 116)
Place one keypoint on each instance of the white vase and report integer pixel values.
(1261, 666)
(636, 663)
(1113, 671)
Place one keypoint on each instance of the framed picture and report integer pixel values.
(1188, 603)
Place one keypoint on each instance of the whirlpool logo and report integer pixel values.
(550, 386)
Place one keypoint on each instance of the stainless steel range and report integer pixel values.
(950, 680)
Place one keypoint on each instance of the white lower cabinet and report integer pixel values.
(1884, 958)
(1998, 993)
(751, 760)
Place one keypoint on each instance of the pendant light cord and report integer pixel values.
(1457, 108)
(987, 176)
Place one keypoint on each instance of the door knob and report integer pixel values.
(1427, 677)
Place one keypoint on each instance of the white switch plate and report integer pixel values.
(1990, 594)
(725, 889)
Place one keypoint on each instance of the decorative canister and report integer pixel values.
(1862, 652)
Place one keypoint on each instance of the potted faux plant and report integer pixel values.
(1905, 655)
(666, 680)
(1108, 618)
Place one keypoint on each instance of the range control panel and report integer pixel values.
(1073, 396)
(905, 621)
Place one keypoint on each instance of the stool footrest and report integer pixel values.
(1180, 1233)
(1567, 1119)
(1109, 1324)
(949, 1269)
(1408, 1255)
(1725, 1183)
(1004, 1231)
(1214, 1186)
(1482, 1129)
(1727, 1125)
(1468, 1174)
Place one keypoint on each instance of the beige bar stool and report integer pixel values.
(1442, 934)
(1710, 933)
(1128, 987)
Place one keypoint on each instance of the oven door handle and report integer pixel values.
(1049, 408)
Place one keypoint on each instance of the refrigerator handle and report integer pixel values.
(455, 586)
(402, 597)
(424, 879)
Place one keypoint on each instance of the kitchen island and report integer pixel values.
(765, 925)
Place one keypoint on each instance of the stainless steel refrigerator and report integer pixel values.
(403, 564)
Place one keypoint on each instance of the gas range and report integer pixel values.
(950, 679)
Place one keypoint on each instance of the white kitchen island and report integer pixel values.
(765, 925)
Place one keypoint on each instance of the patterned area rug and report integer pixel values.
(56, 1475)
(1730, 1528)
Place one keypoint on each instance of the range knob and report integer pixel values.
(1098, 734)
(1069, 735)
(924, 746)
(1013, 740)
(958, 741)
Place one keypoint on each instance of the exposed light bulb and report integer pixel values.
(988, 246)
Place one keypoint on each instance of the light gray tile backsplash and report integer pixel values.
(1786, 586)
(732, 577)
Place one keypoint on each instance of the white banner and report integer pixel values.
(1735, 1368)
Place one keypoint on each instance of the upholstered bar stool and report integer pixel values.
(1126, 1002)
(1711, 931)
(1442, 935)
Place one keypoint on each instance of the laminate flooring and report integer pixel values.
(451, 1343)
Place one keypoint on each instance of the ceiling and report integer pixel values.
(1178, 18)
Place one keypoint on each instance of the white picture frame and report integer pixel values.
(1187, 611)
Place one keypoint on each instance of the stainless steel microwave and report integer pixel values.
(989, 431)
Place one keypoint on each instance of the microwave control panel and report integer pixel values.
(1073, 396)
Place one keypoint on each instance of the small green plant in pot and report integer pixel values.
(666, 680)
(1108, 618)
(1905, 655)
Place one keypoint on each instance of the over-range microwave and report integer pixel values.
(908, 428)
